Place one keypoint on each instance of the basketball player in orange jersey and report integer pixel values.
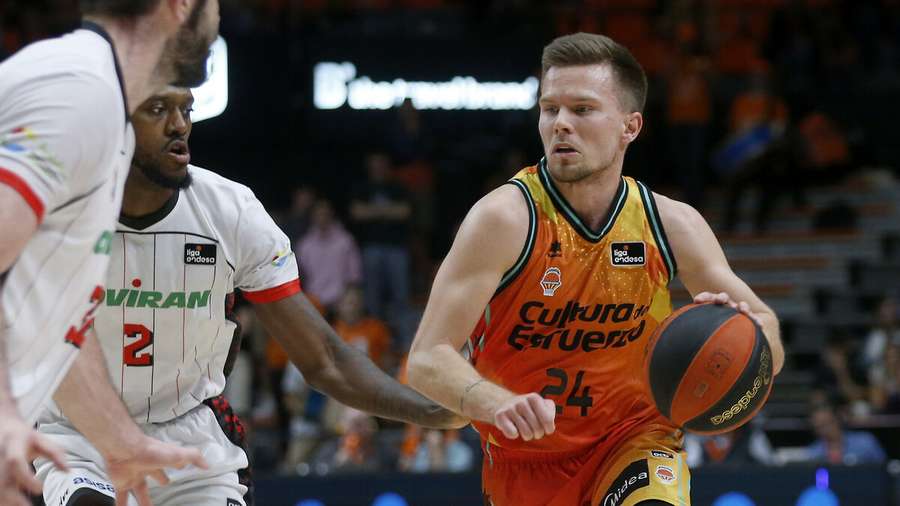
(539, 315)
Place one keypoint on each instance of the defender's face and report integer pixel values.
(186, 53)
(162, 126)
(582, 121)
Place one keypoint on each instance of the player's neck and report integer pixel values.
(139, 46)
(592, 197)
(141, 197)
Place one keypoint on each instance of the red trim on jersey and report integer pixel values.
(15, 182)
(275, 293)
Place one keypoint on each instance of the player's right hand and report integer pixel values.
(148, 457)
(19, 446)
(529, 416)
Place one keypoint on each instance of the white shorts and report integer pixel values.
(199, 428)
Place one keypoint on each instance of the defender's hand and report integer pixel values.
(529, 416)
(148, 457)
(19, 446)
(723, 298)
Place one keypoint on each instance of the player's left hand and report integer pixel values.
(149, 457)
(723, 298)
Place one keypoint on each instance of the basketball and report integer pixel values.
(708, 368)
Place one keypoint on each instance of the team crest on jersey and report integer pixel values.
(551, 281)
(628, 254)
(665, 474)
(200, 254)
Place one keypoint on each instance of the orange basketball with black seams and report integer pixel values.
(708, 368)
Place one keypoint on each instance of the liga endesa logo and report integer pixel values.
(628, 254)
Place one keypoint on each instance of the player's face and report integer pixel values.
(186, 53)
(162, 126)
(583, 124)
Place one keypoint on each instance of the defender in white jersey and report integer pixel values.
(65, 147)
(187, 240)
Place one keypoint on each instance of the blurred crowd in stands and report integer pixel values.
(744, 94)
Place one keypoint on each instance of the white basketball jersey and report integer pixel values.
(65, 147)
(164, 324)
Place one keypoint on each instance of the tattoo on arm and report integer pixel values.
(462, 398)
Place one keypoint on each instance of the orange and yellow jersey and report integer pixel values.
(571, 318)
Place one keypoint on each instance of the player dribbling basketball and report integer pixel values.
(552, 287)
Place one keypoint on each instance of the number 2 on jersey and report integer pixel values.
(131, 354)
(580, 399)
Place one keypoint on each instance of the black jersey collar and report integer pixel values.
(147, 220)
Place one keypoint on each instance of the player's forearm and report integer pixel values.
(88, 400)
(340, 371)
(442, 374)
(354, 380)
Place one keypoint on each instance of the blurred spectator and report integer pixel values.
(826, 152)
(838, 51)
(297, 219)
(370, 335)
(356, 450)
(689, 113)
(738, 53)
(758, 105)
(745, 445)
(756, 152)
(886, 331)
(835, 445)
(884, 381)
(328, 255)
(791, 47)
(430, 451)
(313, 416)
(381, 210)
(408, 139)
(303, 431)
(836, 375)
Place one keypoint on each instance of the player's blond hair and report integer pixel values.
(591, 49)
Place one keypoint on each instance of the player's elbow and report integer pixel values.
(324, 377)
